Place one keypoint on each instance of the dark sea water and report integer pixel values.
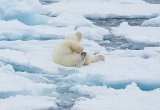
(114, 22)
(112, 42)
(153, 1)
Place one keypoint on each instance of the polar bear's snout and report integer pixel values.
(83, 54)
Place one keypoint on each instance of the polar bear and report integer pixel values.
(70, 53)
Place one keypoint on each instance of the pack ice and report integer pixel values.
(129, 78)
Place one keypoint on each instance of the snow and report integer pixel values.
(112, 73)
(66, 19)
(103, 9)
(127, 79)
(130, 98)
(25, 11)
(15, 30)
(27, 103)
(114, 70)
(121, 68)
(93, 33)
(148, 35)
(152, 22)
(12, 84)
(21, 52)
(112, 1)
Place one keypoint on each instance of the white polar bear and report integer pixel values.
(70, 53)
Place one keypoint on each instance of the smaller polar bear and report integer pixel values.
(70, 53)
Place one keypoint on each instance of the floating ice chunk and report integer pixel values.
(124, 99)
(94, 91)
(103, 9)
(1, 64)
(28, 18)
(91, 91)
(127, 1)
(110, 1)
(146, 53)
(66, 19)
(25, 62)
(26, 55)
(37, 78)
(116, 70)
(28, 103)
(13, 30)
(122, 68)
(93, 33)
(26, 11)
(124, 24)
(148, 35)
(12, 84)
(152, 22)
(91, 47)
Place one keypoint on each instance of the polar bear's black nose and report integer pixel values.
(84, 54)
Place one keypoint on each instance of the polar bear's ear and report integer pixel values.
(79, 36)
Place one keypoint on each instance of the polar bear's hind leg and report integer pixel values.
(93, 58)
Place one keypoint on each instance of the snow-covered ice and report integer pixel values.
(13, 84)
(152, 22)
(27, 11)
(127, 79)
(16, 30)
(103, 9)
(130, 98)
(138, 34)
(112, 1)
(28, 103)
(66, 19)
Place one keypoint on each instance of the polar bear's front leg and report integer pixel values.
(75, 47)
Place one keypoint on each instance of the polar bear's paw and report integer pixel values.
(79, 49)
(100, 58)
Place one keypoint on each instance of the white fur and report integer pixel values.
(69, 53)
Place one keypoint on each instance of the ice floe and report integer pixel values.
(103, 9)
(127, 79)
(148, 35)
(129, 98)
(154, 22)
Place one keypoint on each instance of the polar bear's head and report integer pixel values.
(77, 37)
